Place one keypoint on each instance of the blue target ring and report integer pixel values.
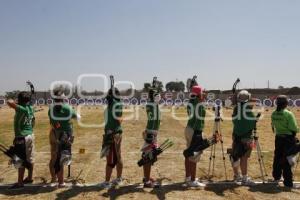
(169, 102)
(73, 101)
(143, 102)
(268, 103)
(134, 101)
(297, 103)
(98, 102)
(178, 102)
(50, 101)
(81, 102)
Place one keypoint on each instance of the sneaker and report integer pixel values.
(118, 181)
(246, 180)
(52, 184)
(27, 181)
(151, 179)
(16, 186)
(105, 185)
(292, 159)
(237, 178)
(276, 182)
(62, 185)
(151, 184)
(196, 183)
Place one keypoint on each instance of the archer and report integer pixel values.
(23, 145)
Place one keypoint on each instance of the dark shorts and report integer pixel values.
(113, 146)
(241, 147)
(29, 147)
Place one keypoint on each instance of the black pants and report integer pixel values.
(294, 149)
(281, 167)
(197, 144)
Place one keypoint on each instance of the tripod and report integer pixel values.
(260, 157)
(216, 132)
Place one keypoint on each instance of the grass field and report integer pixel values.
(88, 168)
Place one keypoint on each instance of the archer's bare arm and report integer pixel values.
(11, 103)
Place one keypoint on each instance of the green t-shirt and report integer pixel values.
(284, 122)
(61, 120)
(23, 122)
(153, 115)
(112, 113)
(196, 113)
(243, 121)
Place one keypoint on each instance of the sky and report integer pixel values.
(58, 40)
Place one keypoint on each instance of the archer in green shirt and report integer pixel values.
(243, 120)
(284, 122)
(150, 134)
(24, 141)
(23, 122)
(113, 114)
(60, 117)
(285, 127)
(196, 112)
(153, 115)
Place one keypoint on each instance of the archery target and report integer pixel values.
(126, 101)
(90, 102)
(218, 102)
(169, 102)
(81, 101)
(210, 103)
(162, 102)
(143, 102)
(186, 102)
(258, 103)
(134, 101)
(2, 102)
(41, 101)
(178, 102)
(268, 102)
(297, 103)
(98, 102)
(50, 101)
(73, 101)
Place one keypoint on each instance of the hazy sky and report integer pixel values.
(47, 40)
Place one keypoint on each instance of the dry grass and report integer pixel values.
(169, 169)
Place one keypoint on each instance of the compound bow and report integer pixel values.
(234, 91)
(32, 91)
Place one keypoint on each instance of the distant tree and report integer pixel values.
(175, 86)
(12, 95)
(294, 91)
(160, 86)
(147, 86)
(280, 87)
